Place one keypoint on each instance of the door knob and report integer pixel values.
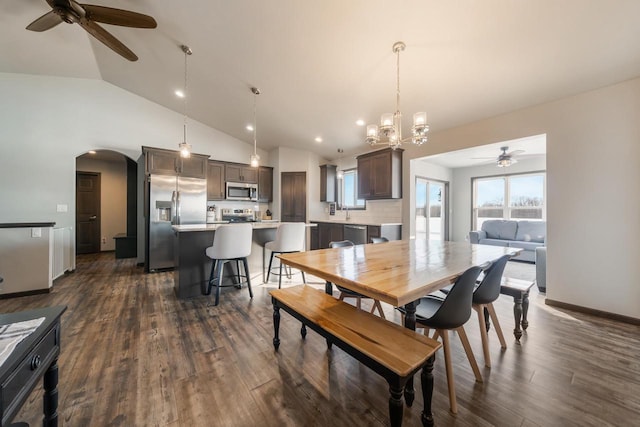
(92, 217)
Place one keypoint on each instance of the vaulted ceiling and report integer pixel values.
(322, 65)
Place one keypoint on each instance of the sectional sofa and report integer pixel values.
(527, 235)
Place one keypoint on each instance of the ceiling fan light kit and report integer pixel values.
(87, 16)
(389, 132)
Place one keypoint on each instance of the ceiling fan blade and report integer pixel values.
(124, 18)
(105, 37)
(482, 158)
(45, 22)
(515, 152)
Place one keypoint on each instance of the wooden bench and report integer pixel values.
(394, 352)
(519, 290)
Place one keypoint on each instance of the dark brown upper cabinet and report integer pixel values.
(265, 184)
(215, 180)
(380, 175)
(168, 162)
(241, 173)
(328, 183)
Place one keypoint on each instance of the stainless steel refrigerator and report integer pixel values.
(173, 200)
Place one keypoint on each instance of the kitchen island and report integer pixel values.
(193, 267)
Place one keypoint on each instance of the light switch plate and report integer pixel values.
(36, 232)
(62, 208)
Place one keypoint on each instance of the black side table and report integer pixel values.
(34, 358)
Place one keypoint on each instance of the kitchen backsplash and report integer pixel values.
(383, 211)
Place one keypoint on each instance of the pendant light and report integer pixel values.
(254, 160)
(339, 171)
(185, 148)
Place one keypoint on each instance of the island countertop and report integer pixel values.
(260, 225)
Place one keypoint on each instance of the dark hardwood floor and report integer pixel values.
(134, 355)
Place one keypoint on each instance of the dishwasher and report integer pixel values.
(356, 233)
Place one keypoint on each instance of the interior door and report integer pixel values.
(294, 197)
(87, 212)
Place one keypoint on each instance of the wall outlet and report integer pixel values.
(62, 208)
(36, 232)
(104, 240)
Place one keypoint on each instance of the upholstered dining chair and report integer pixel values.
(231, 242)
(347, 293)
(450, 313)
(290, 238)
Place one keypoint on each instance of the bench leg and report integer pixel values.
(427, 391)
(395, 405)
(410, 323)
(276, 324)
(517, 314)
(525, 309)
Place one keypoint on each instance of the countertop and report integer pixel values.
(259, 225)
(354, 222)
(26, 224)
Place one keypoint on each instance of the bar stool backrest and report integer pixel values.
(290, 237)
(231, 241)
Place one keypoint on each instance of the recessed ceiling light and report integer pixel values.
(318, 139)
(92, 151)
(360, 122)
(179, 93)
(249, 128)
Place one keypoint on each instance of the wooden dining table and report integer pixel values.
(397, 272)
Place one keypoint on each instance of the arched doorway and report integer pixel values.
(106, 203)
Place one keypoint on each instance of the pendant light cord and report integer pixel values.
(186, 52)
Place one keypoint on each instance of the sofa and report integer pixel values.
(527, 235)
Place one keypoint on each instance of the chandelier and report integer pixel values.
(390, 130)
(185, 149)
(254, 160)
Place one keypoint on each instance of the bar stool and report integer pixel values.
(230, 243)
(290, 238)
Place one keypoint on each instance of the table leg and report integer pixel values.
(427, 391)
(487, 324)
(328, 288)
(276, 324)
(517, 314)
(525, 309)
(50, 398)
(410, 323)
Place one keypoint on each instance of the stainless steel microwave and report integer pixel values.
(242, 191)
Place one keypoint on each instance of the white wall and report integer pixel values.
(593, 159)
(461, 191)
(113, 197)
(48, 121)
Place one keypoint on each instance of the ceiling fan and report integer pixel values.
(505, 159)
(87, 16)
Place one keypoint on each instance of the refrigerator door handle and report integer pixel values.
(173, 209)
(178, 207)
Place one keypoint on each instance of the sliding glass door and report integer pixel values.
(431, 217)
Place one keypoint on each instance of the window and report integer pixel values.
(349, 190)
(509, 197)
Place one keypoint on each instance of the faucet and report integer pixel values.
(347, 217)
